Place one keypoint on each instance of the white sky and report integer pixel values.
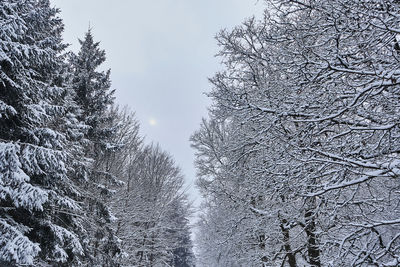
(161, 53)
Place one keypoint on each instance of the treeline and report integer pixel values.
(78, 186)
(299, 161)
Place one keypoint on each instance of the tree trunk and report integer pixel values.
(286, 238)
(312, 246)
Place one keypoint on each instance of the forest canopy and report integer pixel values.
(298, 162)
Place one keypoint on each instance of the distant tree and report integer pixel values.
(179, 233)
(152, 212)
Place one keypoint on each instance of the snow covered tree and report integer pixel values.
(38, 211)
(153, 211)
(94, 97)
(128, 202)
(93, 90)
(179, 234)
(63, 149)
(309, 100)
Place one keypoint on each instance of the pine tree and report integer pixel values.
(94, 97)
(38, 213)
(93, 90)
(179, 233)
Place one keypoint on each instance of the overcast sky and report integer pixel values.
(161, 53)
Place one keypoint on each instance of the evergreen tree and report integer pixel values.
(93, 91)
(37, 208)
(179, 233)
(94, 97)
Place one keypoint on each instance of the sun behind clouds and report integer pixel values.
(152, 122)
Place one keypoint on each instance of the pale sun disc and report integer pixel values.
(152, 122)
